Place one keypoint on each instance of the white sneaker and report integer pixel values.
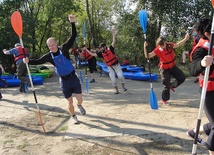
(75, 120)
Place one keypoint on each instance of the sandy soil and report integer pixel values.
(122, 124)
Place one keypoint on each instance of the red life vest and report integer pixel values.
(22, 53)
(166, 56)
(75, 52)
(86, 55)
(109, 57)
(210, 84)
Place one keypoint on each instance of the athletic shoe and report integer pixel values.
(125, 89)
(92, 81)
(117, 92)
(164, 102)
(172, 89)
(82, 110)
(0, 96)
(5, 83)
(191, 134)
(75, 120)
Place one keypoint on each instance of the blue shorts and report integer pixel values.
(70, 86)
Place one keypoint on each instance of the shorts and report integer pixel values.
(70, 86)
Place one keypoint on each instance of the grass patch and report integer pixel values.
(8, 141)
(63, 128)
(23, 145)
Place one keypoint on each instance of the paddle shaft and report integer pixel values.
(203, 93)
(16, 22)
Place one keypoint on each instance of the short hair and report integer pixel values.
(204, 25)
(160, 41)
(17, 44)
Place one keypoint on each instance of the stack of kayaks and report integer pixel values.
(13, 81)
(42, 70)
(131, 72)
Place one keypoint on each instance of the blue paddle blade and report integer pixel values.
(153, 100)
(143, 19)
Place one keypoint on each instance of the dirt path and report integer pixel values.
(120, 124)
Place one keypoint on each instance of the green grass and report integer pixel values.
(63, 128)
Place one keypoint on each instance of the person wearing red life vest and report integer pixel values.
(200, 60)
(196, 39)
(165, 52)
(75, 52)
(92, 61)
(109, 57)
(19, 54)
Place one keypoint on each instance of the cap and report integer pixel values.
(102, 45)
(17, 44)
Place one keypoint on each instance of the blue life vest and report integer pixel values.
(63, 66)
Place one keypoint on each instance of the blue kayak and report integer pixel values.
(131, 72)
(13, 81)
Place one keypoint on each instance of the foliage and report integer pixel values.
(45, 18)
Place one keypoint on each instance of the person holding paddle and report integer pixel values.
(200, 61)
(167, 66)
(59, 57)
(92, 61)
(108, 55)
(19, 54)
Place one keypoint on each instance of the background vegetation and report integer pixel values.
(45, 18)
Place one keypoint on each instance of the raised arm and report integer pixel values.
(68, 44)
(113, 36)
(178, 44)
(2, 68)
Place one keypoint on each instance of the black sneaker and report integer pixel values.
(82, 110)
(191, 134)
(92, 81)
(117, 92)
(125, 89)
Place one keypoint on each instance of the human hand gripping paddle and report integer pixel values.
(204, 89)
(16, 22)
(143, 23)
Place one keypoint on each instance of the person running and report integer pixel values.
(2, 80)
(167, 66)
(19, 54)
(200, 60)
(108, 55)
(59, 57)
(92, 61)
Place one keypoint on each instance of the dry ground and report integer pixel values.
(122, 124)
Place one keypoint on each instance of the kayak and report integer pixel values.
(13, 81)
(131, 72)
